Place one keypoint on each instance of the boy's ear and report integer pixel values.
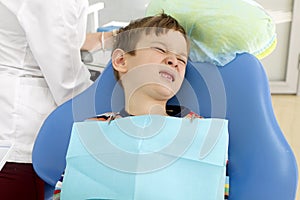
(119, 61)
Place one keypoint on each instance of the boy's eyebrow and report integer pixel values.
(183, 54)
(162, 43)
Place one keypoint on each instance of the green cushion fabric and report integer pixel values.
(219, 29)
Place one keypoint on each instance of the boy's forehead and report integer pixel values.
(173, 40)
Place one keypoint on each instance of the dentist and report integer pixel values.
(40, 68)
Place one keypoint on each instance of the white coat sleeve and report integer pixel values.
(55, 30)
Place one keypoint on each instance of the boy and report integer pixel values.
(149, 58)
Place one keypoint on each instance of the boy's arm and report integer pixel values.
(57, 190)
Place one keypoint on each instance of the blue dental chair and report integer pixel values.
(262, 165)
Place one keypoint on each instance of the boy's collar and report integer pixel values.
(172, 110)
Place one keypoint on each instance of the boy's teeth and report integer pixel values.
(166, 75)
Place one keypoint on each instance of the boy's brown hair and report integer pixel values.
(128, 37)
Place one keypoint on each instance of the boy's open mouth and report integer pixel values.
(167, 76)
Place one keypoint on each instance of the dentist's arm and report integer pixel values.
(98, 40)
(55, 31)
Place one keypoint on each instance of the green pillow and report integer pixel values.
(220, 29)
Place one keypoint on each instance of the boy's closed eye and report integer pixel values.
(182, 59)
(159, 49)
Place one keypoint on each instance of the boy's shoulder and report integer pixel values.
(105, 116)
(192, 115)
(108, 116)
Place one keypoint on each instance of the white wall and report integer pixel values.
(122, 10)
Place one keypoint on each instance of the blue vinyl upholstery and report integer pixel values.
(261, 163)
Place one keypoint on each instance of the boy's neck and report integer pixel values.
(143, 107)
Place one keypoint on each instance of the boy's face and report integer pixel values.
(158, 66)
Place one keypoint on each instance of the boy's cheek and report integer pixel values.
(149, 74)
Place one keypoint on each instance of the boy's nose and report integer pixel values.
(171, 60)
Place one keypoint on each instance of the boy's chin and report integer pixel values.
(163, 93)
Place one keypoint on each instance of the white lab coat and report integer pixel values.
(40, 65)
